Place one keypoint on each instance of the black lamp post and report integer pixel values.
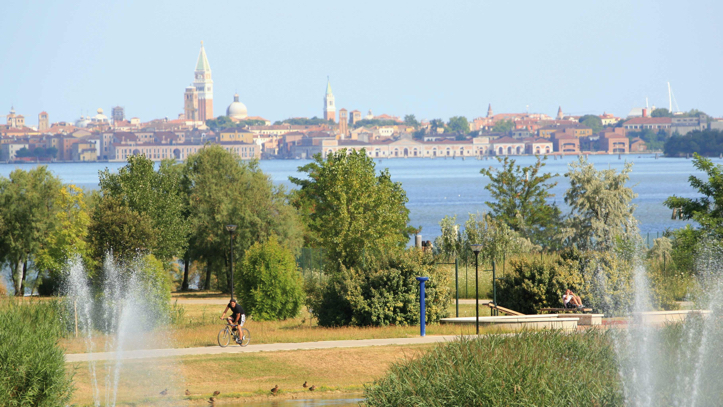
(231, 229)
(476, 248)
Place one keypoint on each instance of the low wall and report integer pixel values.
(662, 317)
(518, 323)
(584, 319)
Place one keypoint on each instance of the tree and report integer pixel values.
(593, 122)
(303, 121)
(221, 190)
(350, 211)
(503, 126)
(436, 124)
(156, 194)
(375, 123)
(708, 209)
(410, 120)
(661, 112)
(270, 286)
(706, 143)
(458, 124)
(28, 213)
(520, 198)
(601, 212)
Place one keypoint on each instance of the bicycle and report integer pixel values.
(225, 335)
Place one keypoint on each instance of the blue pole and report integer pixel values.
(422, 310)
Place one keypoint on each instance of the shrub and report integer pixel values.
(548, 368)
(32, 364)
(534, 283)
(3, 289)
(269, 284)
(384, 292)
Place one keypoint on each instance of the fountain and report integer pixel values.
(120, 313)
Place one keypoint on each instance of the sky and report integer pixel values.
(433, 59)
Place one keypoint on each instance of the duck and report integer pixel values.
(216, 393)
(275, 390)
(212, 401)
(304, 385)
(188, 393)
(164, 392)
(312, 388)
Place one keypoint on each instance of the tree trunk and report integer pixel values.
(22, 279)
(17, 278)
(184, 284)
(207, 284)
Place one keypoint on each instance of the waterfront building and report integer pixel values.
(329, 107)
(400, 148)
(507, 146)
(236, 111)
(236, 135)
(538, 146)
(637, 145)
(613, 142)
(10, 149)
(566, 144)
(652, 123)
(608, 119)
(204, 87)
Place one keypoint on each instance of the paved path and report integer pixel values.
(210, 301)
(272, 347)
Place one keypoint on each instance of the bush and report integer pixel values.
(534, 283)
(548, 368)
(3, 289)
(32, 365)
(269, 284)
(384, 292)
(49, 285)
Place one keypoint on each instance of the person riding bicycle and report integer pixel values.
(238, 316)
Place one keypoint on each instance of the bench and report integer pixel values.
(564, 310)
(504, 310)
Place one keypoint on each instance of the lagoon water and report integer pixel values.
(439, 187)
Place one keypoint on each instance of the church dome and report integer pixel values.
(100, 117)
(237, 110)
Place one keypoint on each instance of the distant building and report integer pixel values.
(507, 146)
(15, 120)
(204, 87)
(684, 125)
(118, 114)
(355, 116)
(190, 104)
(538, 146)
(652, 123)
(43, 122)
(637, 145)
(343, 123)
(559, 116)
(236, 110)
(613, 142)
(329, 107)
(9, 150)
(566, 144)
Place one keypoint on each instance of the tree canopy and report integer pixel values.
(225, 122)
(707, 143)
(503, 126)
(303, 121)
(593, 122)
(458, 124)
(410, 120)
(661, 112)
(351, 212)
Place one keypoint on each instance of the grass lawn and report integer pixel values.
(246, 375)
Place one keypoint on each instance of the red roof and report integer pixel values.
(506, 140)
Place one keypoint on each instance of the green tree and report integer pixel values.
(458, 124)
(221, 190)
(593, 122)
(503, 126)
(706, 143)
(374, 123)
(351, 211)
(303, 121)
(155, 194)
(410, 120)
(270, 286)
(601, 209)
(661, 112)
(28, 213)
(708, 209)
(436, 124)
(520, 198)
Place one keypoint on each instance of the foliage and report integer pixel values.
(351, 212)
(653, 140)
(411, 120)
(38, 152)
(303, 121)
(547, 368)
(225, 122)
(115, 228)
(435, 125)
(707, 143)
(269, 285)
(222, 190)
(600, 207)
(155, 194)
(383, 292)
(375, 123)
(593, 122)
(156, 286)
(503, 126)
(661, 112)
(32, 363)
(685, 249)
(27, 216)
(520, 198)
(535, 283)
(458, 124)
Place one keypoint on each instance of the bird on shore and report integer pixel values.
(312, 388)
(216, 393)
(188, 393)
(304, 385)
(164, 392)
(212, 401)
(275, 390)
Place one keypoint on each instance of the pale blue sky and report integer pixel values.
(431, 58)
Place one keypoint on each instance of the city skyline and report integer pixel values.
(433, 61)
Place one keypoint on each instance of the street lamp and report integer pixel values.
(476, 248)
(231, 229)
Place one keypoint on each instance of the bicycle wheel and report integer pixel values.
(224, 337)
(246, 338)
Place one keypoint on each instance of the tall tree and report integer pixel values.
(223, 190)
(28, 212)
(592, 121)
(458, 124)
(351, 211)
(411, 120)
(520, 198)
(436, 124)
(503, 126)
(601, 209)
(156, 194)
(661, 112)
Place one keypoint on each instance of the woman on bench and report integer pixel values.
(570, 300)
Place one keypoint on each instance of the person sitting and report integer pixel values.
(570, 300)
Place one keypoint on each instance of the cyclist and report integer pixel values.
(238, 316)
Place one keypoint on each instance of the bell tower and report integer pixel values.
(329, 107)
(204, 86)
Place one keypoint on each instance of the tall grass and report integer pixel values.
(32, 365)
(547, 368)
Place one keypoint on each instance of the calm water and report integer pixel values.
(440, 187)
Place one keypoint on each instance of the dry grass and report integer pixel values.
(201, 325)
(248, 375)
